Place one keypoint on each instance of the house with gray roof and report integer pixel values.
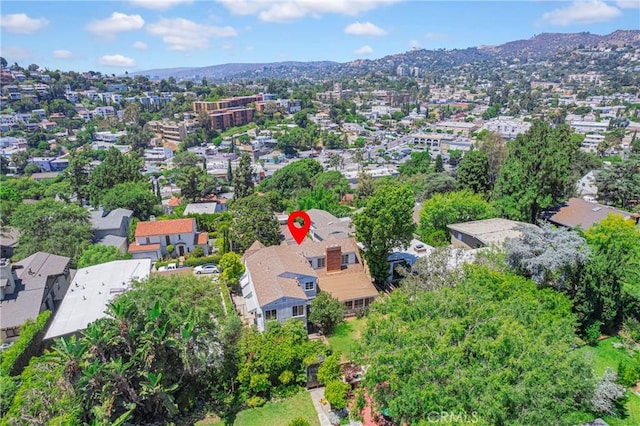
(111, 228)
(29, 287)
(91, 290)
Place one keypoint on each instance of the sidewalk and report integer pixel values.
(322, 409)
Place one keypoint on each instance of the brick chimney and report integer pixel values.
(334, 258)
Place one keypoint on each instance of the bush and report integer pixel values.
(299, 421)
(197, 252)
(335, 393)
(628, 373)
(170, 248)
(196, 261)
(8, 389)
(329, 371)
(16, 358)
(255, 401)
(592, 333)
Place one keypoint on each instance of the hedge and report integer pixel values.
(196, 261)
(16, 357)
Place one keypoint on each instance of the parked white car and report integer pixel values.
(207, 268)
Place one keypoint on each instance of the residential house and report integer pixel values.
(281, 281)
(31, 286)
(111, 228)
(153, 237)
(91, 291)
(8, 241)
(577, 212)
(205, 208)
(482, 233)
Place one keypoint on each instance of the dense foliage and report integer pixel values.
(253, 220)
(446, 209)
(97, 254)
(536, 174)
(53, 227)
(385, 223)
(494, 345)
(165, 344)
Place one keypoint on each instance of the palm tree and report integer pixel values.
(68, 352)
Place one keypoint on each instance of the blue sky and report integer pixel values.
(134, 35)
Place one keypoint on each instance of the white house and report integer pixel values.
(152, 238)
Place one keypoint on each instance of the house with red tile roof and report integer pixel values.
(153, 237)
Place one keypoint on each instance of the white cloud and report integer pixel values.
(414, 44)
(284, 11)
(116, 23)
(12, 53)
(117, 61)
(364, 29)
(435, 36)
(364, 51)
(62, 54)
(581, 12)
(140, 45)
(228, 46)
(20, 23)
(183, 35)
(159, 4)
(628, 4)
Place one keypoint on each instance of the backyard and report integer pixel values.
(604, 355)
(345, 337)
(273, 413)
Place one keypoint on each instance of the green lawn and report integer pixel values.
(604, 355)
(274, 413)
(345, 335)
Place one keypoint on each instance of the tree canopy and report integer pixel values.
(134, 196)
(536, 174)
(494, 345)
(52, 226)
(253, 220)
(116, 168)
(385, 223)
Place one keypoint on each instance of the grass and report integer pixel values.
(604, 355)
(345, 336)
(273, 413)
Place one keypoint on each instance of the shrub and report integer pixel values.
(8, 389)
(196, 261)
(299, 421)
(197, 252)
(592, 333)
(286, 377)
(170, 248)
(15, 358)
(329, 371)
(628, 373)
(335, 393)
(255, 401)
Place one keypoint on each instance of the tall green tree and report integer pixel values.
(385, 223)
(135, 196)
(253, 220)
(473, 172)
(326, 312)
(537, 172)
(494, 349)
(292, 177)
(609, 287)
(116, 168)
(53, 227)
(619, 184)
(492, 144)
(243, 178)
(77, 174)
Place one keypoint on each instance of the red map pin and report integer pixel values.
(299, 233)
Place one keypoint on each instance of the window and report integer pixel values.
(12, 332)
(348, 305)
(345, 259)
(357, 304)
(271, 314)
(147, 240)
(321, 262)
(167, 239)
(308, 286)
(297, 311)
